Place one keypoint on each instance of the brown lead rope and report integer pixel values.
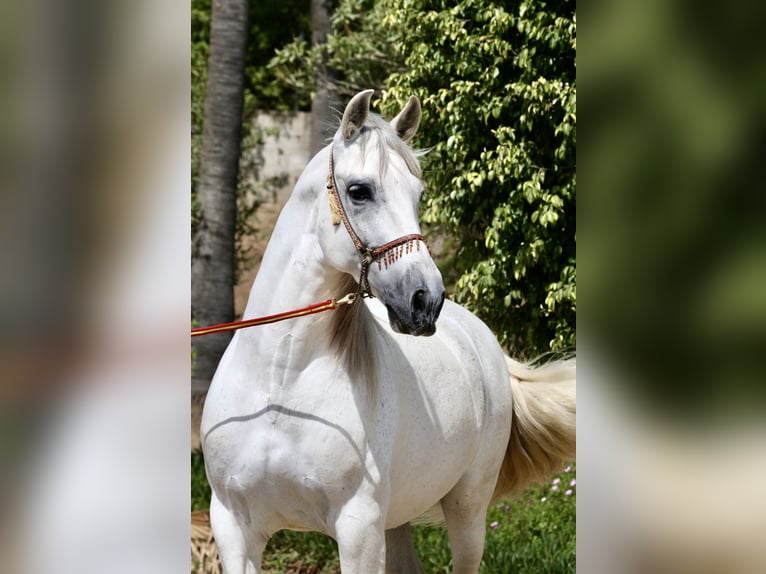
(329, 305)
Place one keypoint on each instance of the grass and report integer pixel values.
(534, 534)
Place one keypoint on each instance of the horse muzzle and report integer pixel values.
(418, 315)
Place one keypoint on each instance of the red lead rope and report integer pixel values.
(328, 305)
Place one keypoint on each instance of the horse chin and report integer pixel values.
(424, 331)
(405, 328)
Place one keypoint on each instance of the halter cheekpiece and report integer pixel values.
(385, 254)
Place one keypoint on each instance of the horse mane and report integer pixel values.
(352, 331)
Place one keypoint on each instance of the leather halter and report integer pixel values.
(384, 254)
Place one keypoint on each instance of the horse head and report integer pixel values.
(374, 188)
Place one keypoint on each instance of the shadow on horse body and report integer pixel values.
(355, 422)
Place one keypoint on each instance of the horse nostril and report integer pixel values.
(419, 302)
(426, 307)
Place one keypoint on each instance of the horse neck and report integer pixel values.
(293, 273)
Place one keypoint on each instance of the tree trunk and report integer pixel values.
(325, 106)
(213, 245)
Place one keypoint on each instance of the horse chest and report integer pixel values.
(302, 447)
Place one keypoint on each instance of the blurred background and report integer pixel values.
(94, 287)
(672, 261)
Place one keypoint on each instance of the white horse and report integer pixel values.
(347, 424)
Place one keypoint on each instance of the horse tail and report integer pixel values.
(543, 426)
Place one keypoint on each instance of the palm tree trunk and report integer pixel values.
(324, 104)
(213, 244)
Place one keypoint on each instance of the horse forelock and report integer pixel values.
(378, 133)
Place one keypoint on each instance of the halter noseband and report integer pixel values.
(384, 254)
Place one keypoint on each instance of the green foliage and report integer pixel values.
(272, 25)
(498, 89)
(358, 54)
(200, 489)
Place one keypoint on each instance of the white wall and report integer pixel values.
(284, 154)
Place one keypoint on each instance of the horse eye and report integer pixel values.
(359, 192)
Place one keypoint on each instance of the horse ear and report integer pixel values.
(407, 122)
(355, 114)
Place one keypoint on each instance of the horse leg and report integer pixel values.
(360, 534)
(466, 514)
(401, 557)
(239, 551)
